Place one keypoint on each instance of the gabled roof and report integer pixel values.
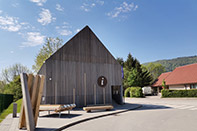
(159, 80)
(183, 75)
(179, 76)
(84, 46)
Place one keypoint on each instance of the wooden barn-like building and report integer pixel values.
(83, 72)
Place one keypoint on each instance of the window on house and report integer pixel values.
(192, 86)
(195, 86)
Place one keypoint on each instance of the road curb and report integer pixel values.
(95, 117)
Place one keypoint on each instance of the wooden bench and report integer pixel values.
(57, 108)
(98, 107)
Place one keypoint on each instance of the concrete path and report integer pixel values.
(53, 122)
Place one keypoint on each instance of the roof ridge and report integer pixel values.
(186, 65)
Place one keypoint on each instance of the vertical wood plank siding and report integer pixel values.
(84, 53)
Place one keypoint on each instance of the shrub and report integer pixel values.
(127, 92)
(136, 92)
(14, 88)
(179, 93)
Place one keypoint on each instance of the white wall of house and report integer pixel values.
(177, 87)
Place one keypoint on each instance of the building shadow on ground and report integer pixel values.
(45, 129)
(142, 106)
(63, 115)
(154, 107)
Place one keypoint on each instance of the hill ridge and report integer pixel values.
(171, 64)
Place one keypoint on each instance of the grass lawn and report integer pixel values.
(10, 110)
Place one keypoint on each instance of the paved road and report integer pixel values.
(155, 115)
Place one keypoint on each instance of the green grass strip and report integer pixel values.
(10, 110)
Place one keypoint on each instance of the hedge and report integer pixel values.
(5, 101)
(133, 92)
(127, 92)
(179, 93)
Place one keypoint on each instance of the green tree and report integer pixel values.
(139, 78)
(134, 78)
(164, 84)
(146, 78)
(156, 69)
(125, 81)
(120, 61)
(14, 87)
(135, 74)
(2, 84)
(51, 46)
(10, 73)
(130, 62)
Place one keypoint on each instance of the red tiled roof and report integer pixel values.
(183, 75)
(160, 79)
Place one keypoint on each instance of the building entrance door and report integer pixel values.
(117, 94)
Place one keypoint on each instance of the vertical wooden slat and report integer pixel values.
(40, 92)
(104, 95)
(27, 103)
(95, 94)
(35, 93)
(73, 95)
(22, 121)
(56, 93)
(85, 89)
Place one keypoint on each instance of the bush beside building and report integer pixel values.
(133, 92)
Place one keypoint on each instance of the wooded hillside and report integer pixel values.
(171, 64)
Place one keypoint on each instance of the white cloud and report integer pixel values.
(85, 7)
(45, 17)
(15, 4)
(11, 52)
(91, 4)
(9, 23)
(1, 11)
(65, 32)
(33, 39)
(100, 2)
(13, 24)
(39, 2)
(57, 27)
(135, 8)
(124, 8)
(59, 8)
(64, 29)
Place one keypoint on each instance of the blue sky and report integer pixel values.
(149, 29)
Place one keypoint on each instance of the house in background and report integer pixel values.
(157, 86)
(83, 72)
(181, 78)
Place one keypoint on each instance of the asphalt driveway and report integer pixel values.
(157, 114)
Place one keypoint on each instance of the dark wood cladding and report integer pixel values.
(72, 72)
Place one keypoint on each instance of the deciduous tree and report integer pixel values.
(10, 73)
(156, 69)
(51, 46)
(14, 87)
